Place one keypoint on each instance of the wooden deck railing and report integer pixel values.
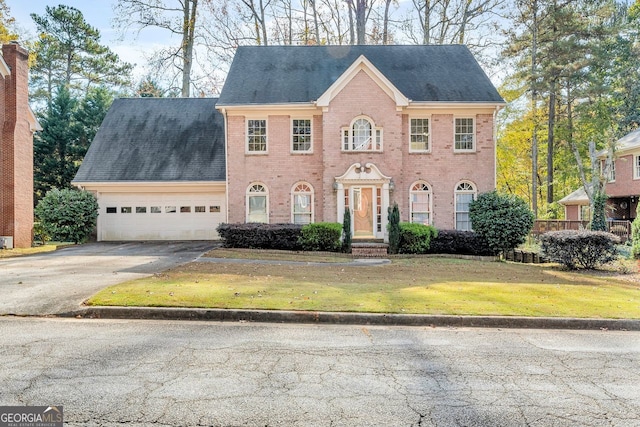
(621, 229)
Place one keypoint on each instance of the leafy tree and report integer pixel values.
(503, 220)
(68, 52)
(394, 229)
(7, 22)
(67, 215)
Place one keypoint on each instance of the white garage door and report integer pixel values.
(160, 216)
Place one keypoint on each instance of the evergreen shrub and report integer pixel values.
(67, 215)
(321, 236)
(579, 249)
(261, 236)
(415, 238)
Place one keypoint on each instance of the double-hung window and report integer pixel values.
(362, 135)
(464, 134)
(256, 136)
(465, 193)
(301, 136)
(420, 203)
(419, 136)
(611, 177)
(302, 203)
(257, 203)
(636, 167)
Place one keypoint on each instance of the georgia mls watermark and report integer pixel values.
(31, 416)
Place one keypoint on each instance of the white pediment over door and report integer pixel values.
(359, 173)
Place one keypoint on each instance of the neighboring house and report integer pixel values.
(310, 131)
(16, 149)
(623, 187)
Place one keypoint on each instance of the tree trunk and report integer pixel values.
(316, 27)
(385, 31)
(534, 108)
(361, 20)
(551, 142)
(188, 28)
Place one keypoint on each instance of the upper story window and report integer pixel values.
(612, 171)
(301, 135)
(465, 193)
(362, 135)
(420, 203)
(257, 203)
(636, 167)
(256, 136)
(302, 205)
(419, 135)
(464, 134)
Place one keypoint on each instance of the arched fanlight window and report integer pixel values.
(465, 193)
(362, 135)
(257, 203)
(302, 203)
(420, 203)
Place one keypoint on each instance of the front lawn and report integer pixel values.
(425, 285)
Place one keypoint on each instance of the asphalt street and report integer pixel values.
(182, 373)
(60, 281)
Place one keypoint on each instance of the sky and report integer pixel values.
(99, 14)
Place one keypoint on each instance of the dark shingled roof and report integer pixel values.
(284, 74)
(157, 139)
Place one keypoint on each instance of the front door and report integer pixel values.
(363, 210)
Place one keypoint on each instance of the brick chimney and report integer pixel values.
(16, 147)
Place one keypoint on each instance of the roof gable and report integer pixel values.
(157, 139)
(362, 64)
(261, 75)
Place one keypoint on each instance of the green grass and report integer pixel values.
(413, 285)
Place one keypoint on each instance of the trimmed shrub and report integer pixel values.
(394, 228)
(261, 236)
(346, 231)
(415, 238)
(321, 236)
(460, 242)
(574, 249)
(67, 215)
(504, 220)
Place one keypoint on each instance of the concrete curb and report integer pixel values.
(345, 318)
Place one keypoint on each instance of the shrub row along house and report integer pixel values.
(298, 134)
(16, 149)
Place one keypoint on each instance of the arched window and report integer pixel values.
(302, 203)
(420, 203)
(362, 135)
(465, 193)
(257, 203)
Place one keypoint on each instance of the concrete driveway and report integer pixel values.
(58, 282)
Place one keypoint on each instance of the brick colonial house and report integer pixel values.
(301, 133)
(16, 150)
(623, 187)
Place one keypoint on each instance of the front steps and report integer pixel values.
(369, 248)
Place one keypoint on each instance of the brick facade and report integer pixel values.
(279, 169)
(16, 149)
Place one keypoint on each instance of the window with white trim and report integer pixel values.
(612, 171)
(465, 193)
(362, 135)
(302, 204)
(419, 135)
(256, 136)
(301, 135)
(464, 134)
(584, 213)
(636, 167)
(257, 203)
(420, 203)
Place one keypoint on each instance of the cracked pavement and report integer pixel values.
(165, 373)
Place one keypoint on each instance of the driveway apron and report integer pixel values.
(58, 282)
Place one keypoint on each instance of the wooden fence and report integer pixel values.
(622, 229)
